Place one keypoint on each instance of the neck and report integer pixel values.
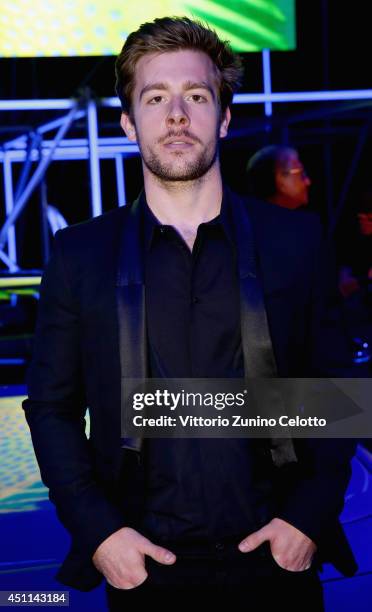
(185, 204)
(283, 202)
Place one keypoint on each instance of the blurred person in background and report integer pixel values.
(356, 257)
(276, 174)
(355, 277)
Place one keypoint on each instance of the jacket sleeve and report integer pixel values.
(55, 412)
(315, 500)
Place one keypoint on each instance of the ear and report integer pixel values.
(128, 127)
(225, 123)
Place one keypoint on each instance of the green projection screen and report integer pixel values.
(30, 28)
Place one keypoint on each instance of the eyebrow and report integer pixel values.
(186, 86)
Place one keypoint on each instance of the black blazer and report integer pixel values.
(91, 334)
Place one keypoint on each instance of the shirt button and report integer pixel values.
(195, 300)
(220, 546)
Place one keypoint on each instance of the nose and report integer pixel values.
(177, 115)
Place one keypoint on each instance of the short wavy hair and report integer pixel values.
(168, 34)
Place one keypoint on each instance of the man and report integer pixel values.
(354, 255)
(276, 174)
(355, 260)
(170, 288)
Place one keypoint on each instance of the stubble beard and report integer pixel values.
(180, 170)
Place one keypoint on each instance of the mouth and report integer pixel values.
(180, 142)
(178, 145)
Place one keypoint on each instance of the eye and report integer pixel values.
(198, 98)
(155, 100)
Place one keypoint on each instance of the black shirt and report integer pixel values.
(196, 487)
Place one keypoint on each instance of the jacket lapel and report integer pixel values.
(258, 353)
(130, 297)
(259, 359)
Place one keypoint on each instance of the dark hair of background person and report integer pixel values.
(261, 170)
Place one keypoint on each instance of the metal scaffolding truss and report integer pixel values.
(49, 143)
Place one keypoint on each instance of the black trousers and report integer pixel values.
(222, 573)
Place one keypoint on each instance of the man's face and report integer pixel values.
(292, 181)
(176, 117)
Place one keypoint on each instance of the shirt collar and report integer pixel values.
(224, 219)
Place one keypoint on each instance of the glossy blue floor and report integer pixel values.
(33, 542)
